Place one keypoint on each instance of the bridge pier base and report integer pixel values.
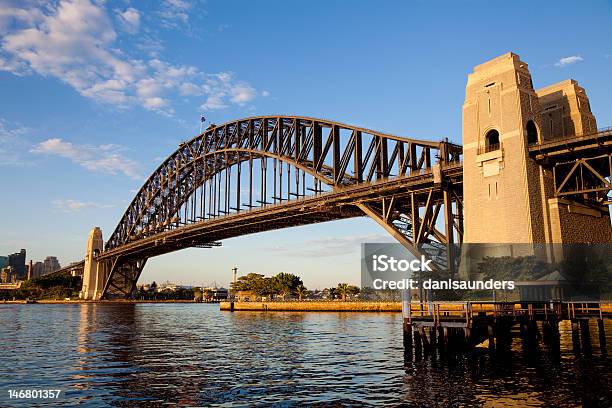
(94, 272)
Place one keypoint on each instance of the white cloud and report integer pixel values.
(23, 11)
(242, 93)
(175, 12)
(103, 158)
(129, 20)
(75, 205)
(265, 93)
(76, 42)
(12, 144)
(563, 62)
(222, 89)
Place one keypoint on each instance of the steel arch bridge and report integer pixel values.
(264, 173)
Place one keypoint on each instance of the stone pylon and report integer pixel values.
(509, 203)
(93, 271)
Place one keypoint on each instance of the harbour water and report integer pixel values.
(196, 355)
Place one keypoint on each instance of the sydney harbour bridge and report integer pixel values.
(270, 172)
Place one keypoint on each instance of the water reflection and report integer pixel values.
(194, 355)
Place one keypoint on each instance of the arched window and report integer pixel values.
(492, 140)
(532, 133)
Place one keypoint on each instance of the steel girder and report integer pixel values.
(581, 166)
(122, 276)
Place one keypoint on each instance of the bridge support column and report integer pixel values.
(93, 272)
(120, 280)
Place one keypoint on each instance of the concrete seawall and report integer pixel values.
(306, 306)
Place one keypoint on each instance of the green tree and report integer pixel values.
(343, 290)
(286, 283)
(251, 281)
(300, 291)
(331, 293)
(353, 290)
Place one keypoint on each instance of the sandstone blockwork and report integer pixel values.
(508, 198)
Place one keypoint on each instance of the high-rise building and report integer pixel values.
(51, 264)
(38, 269)
(3, 261)
(17, 262)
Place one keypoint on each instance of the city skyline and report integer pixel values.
(100, 93)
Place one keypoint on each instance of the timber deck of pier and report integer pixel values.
(461, 325)
(465, 314)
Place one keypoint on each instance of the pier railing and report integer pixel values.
(437, 312)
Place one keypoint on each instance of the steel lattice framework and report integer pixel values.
(581, 166)
(264, 173)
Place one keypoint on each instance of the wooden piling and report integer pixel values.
(407, 336)
(441, 340)
(585, 335)
(445, 335)
(602, 336)
(432, 340)
(417, 342)
(575, 336)
(425, 340)
(503, 334)
(546, 333)
(491, 335)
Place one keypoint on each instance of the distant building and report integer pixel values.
(17, 261)
(51, 264)
(3, 262)
(556, 287)
(213, 293)
(7, 275)
(38, 269)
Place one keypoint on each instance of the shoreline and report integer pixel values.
(277, 306)
(312, 306)
(100, 302)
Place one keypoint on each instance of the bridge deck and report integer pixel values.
(558, 149)
(334, 205)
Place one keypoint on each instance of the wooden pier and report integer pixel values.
(459, 326)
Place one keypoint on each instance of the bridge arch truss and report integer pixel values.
(270, 172)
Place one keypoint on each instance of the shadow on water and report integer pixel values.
(194, 355)
(523, 374)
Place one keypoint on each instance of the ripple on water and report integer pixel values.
(193, 354)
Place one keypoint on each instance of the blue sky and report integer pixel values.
(94, 94)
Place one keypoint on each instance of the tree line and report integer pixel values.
(285, 284)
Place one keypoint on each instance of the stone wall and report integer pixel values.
(307, 306)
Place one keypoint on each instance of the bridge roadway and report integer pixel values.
(343, 202)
